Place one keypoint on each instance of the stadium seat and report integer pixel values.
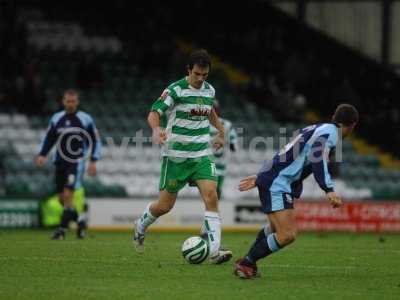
(5, 120)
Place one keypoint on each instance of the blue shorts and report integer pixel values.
(68, 175)
(272, 201)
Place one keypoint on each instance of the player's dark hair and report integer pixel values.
(200, 58)
(345, 114)
(71, 92)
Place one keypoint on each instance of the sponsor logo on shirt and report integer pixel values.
(164, 95)
(199, 112)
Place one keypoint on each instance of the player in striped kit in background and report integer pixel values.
(219, 155)
(180, 120)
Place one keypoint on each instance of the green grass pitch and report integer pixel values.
(105, 266)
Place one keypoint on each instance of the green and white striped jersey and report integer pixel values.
(185, 114)
(219, 156)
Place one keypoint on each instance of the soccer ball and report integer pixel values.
(195, 250)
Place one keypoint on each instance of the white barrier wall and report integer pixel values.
(120, 213)
(353, 216)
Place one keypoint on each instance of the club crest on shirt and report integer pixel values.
(173, 183)
(288, 198)
(164, 94)
(200, 101)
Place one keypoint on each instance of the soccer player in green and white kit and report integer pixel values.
(187, 105)
(219, 154)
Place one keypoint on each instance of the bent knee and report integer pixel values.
(287, 237)
(210, 196)
(211, 199)
(166, 207)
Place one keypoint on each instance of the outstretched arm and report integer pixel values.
(247, 183)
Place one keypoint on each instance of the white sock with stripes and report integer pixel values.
(145, 220)
(212, 225)
(203, 231)
(83, 217)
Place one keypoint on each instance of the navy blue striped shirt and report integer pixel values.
(307, 153)
(73, 134)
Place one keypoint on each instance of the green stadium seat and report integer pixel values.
(350, 173)
(370, 160)
(394, 175)
(358, 183)
(354, 171)
(6, 150)
(14, 187)
(115, 191)
(38, 122)
(12, 165)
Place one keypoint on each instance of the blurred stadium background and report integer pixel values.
(276, 64)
